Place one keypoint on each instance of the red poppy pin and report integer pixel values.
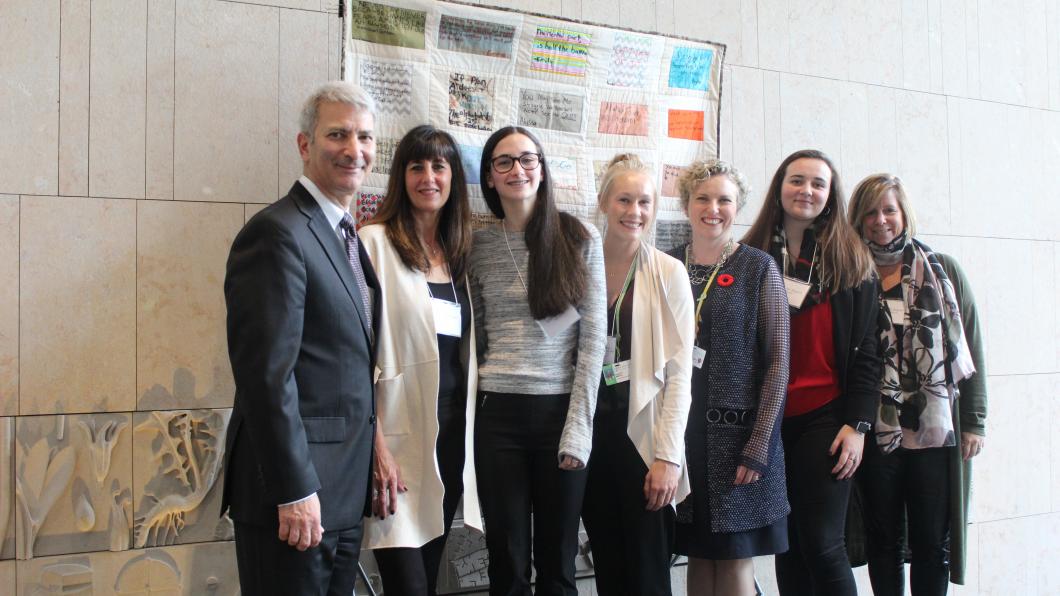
(725, 280)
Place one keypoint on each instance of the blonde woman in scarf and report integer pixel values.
(932, 400)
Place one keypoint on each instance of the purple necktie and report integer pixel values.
(353, 254)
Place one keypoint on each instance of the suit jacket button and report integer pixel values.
(371, 419)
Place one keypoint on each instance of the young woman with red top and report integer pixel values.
(833, 385)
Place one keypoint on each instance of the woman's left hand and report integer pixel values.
(971, 445)
(660, 484)
(745, 475)
(569, 462)
(849, 444)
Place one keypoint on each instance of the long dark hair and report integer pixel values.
(845, 262)
(558, 276)
(426, 142)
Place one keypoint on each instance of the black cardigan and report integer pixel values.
(855, 313)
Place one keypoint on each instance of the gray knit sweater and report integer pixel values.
(514, 354)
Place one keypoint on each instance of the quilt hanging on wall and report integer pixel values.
(587, 91)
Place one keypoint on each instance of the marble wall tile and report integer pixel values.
(117, 99)
(935, 44)
(303, 67)
(1022, 316)
(923, 157)
(8, 305)
(1007, 478)
(665, 21)
(603, 12)
(186, 570)
(1014, 52)
(313, 5)
(872, 34)
(74, 474)
(178, 455)
(774, 35)
(771, 118)
(571, 9)
(1053, 49)
(1018, 560)
(974, 49)
(29, 68)
(868, 132)
(78, 305)
(335, 47)
(226, 150)
(7, 490)
(817, 44)
(636, 14)
(954, 33)
(725, 139)
(182, 355)
(809, 114)
(915, 51)
(8, 570)
(1046, 127)
(1053, 399)
(74, 54)
(748, 131)
(161, 15)
(721, 21)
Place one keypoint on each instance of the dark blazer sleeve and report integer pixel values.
(265, 290)
(864, 366)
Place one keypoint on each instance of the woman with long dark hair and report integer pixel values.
(932, 401)
(537, 284)
(419, 243)
(834, 375)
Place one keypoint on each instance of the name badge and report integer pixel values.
(797, 291)
(898, 310)
(616, 373)
(609, 354)
(698, 356)
(446, 317)
(553, 326)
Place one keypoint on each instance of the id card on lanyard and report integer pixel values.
(797, 289)
(698, 353)
(616, 370)
(447, 316)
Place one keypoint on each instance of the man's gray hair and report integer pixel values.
(333, 91)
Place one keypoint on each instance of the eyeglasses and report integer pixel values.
(503, 164)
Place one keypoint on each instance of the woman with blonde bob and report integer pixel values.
(636, 470)
(833, 383)
(738, 506)
(932, 400)
(419, 244)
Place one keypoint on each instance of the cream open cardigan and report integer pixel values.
(660, 384)
(406, 393)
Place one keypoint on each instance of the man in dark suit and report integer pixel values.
(299, 290)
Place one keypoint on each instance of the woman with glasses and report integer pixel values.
(637, 468)
(738, 507)
(833, 379)
(425, 350)
(932, 401)
(537, 286)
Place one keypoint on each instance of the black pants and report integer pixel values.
(517, 464)
(414, 571)
(269, 567)
(915, 482)
(816, 563)
(631, 546)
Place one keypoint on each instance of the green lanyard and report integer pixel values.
(703, 297)
(615, 326)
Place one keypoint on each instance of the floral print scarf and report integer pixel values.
(921, 371)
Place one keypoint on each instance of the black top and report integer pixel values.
(450, 369)
(615, 398)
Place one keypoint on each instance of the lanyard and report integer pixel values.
(615, 326)
(813, 259)
(456, 298)
(710, 281)
(504, 232)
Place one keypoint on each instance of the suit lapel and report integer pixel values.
(332, 246)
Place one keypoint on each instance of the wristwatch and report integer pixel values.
(863, 427)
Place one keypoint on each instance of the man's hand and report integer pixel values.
(300, 523)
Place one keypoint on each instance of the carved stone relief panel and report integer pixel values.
(177, 477)
(188, 570)
(7, 490)
(73, 477)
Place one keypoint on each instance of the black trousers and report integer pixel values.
(520, 485)
(270, 567)
(816, 563)
(914, 482)
(631, 546)
(414, 571)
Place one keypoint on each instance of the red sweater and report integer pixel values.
(813, 380)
